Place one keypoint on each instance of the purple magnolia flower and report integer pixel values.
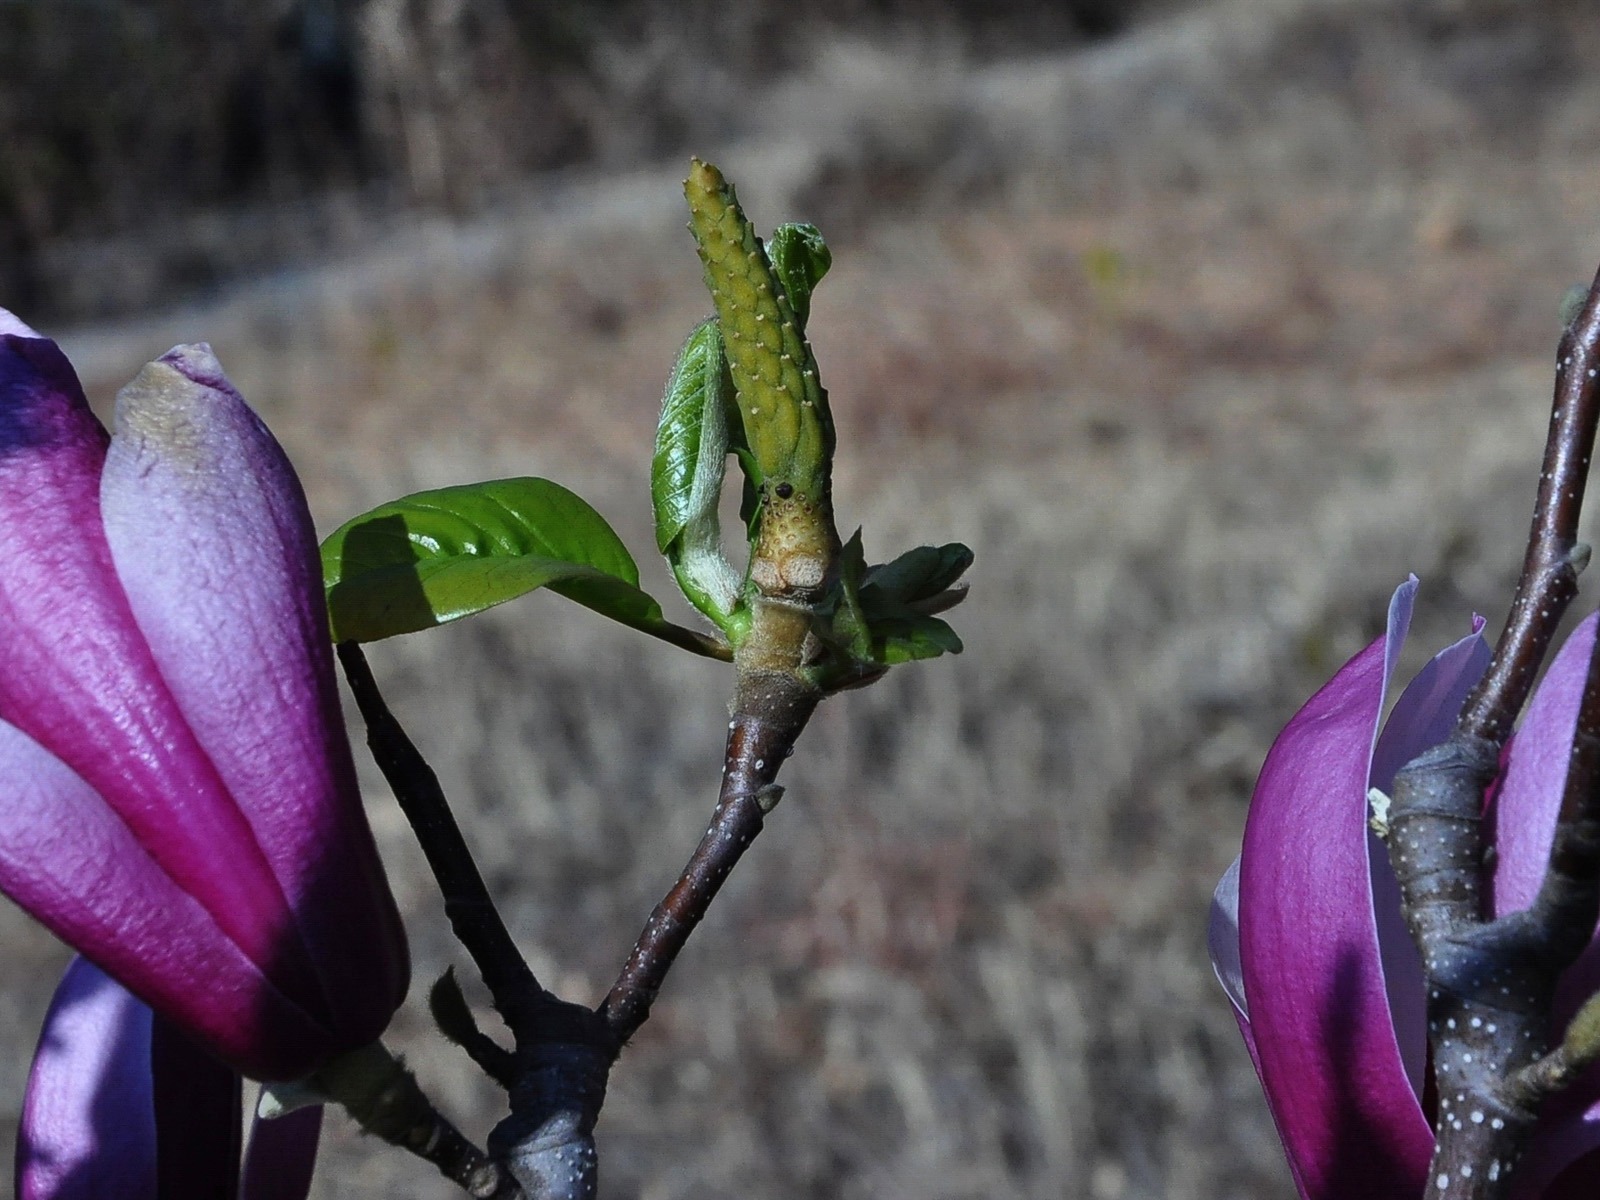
(180, 801)
(1308, 939)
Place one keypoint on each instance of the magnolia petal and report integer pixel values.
(1524, 817)
(79, 678)
(214, 547)
(121, 1104)
(71, 862)
(88, 1127)
(196, 1101)
(1423, 717)
(282, 1156)
(1535, 775)
(1222, 939)
(1310, 959)
(11, 325)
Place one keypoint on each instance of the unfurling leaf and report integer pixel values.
(905, 639)
(450, 1010)
(917, 581)
(800, 258)
(439, 555)
(850, 625)
(884, 613)
(686, 475)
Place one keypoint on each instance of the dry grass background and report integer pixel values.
(1202, 337)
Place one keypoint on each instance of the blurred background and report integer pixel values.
(1202, 321)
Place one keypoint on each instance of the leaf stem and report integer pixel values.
(691, 640)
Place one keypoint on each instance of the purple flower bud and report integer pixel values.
(181, 802)
(1308, 939)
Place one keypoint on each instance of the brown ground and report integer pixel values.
(1202, 338)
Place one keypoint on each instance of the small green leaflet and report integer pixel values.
(917, 576)
(897, 640)
(440, 555)
(800, 258)
(899, 598)
(885, 613)
(691, 439)
(850, 625)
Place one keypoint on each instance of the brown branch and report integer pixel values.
(770, 711)
(556, 1077)
(1549, 577)
(470, 908)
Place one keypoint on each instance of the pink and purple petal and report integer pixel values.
(1222, 940)
(88, 1128)
(282, 1155)
(121, 1105)
(214, 547)
(71, 862)
(1311, 962)
(79, 678)
(1535, 774)
(12, 325)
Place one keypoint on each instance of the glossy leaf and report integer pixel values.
(686, 474)
(440, 555)
(800, 258)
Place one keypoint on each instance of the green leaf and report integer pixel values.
(917, 575)
(686, 475)
(905, 639)
(691, 438)
(800, 258)
(440, 555)
(879, 626)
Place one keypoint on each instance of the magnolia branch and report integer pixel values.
(1491, 983)
(556, 1076)
(470, 908)
(382, 1096)
(769, 714)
